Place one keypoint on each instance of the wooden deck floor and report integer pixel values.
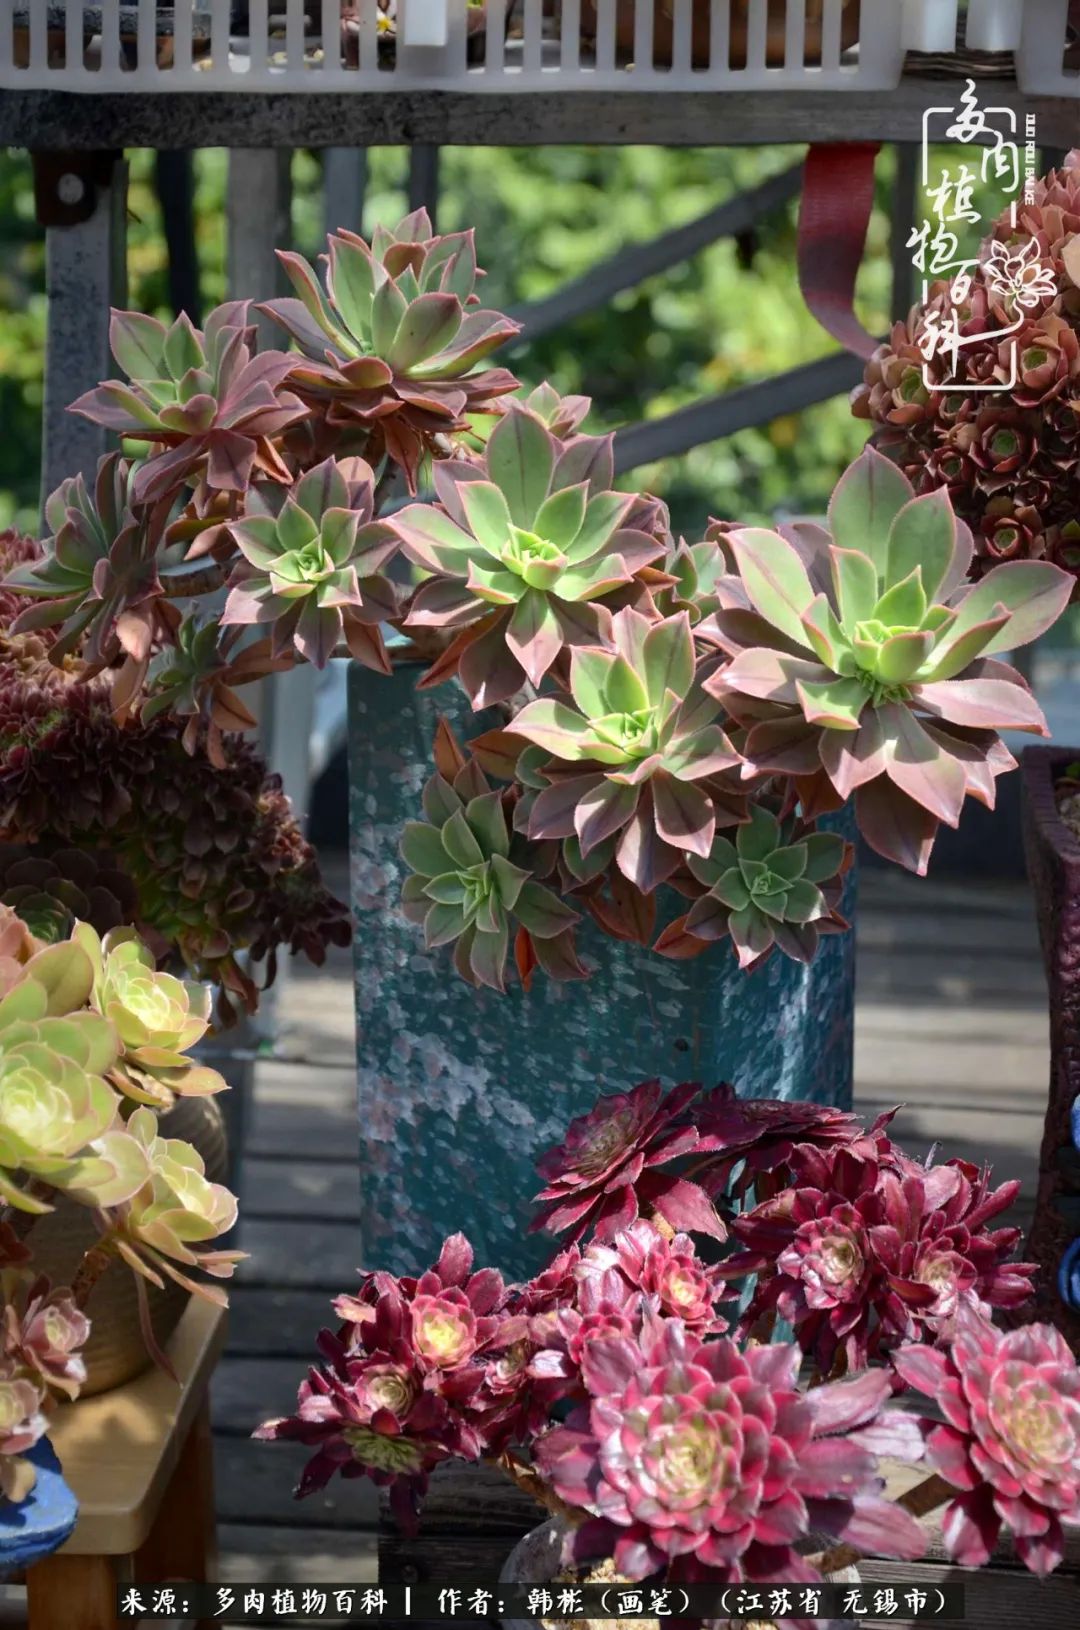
(950, 1021)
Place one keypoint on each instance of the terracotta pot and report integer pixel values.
(116, 1351)
(535, 1560)
(1053, 859)
(663, 31)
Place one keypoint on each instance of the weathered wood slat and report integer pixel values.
(303, 1189)
(314, 1255)
(296, 1556)
(247, 1391)
(303, 1131)
(994, 1598)
(272, 1322)
(255, 1483)
(235, 118)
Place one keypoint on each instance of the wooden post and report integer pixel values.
(182, 1544)
(72, 1593)
(344, 185)
(81, 200)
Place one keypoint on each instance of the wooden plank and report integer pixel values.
(120, 1449)
(236, 118)
(276, 1323)
(297, 1130)
(304, 1188)
(316, 1255)
(255, 1483)
(296, 1556)
(994, 1598)
(247, 1391)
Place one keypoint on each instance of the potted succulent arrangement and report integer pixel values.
(1051, 778)
(94, 1046)
(670, 1435)
(111, 822)
(667, 734)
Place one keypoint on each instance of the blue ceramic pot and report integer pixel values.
(40, 1524)
(460, 1090)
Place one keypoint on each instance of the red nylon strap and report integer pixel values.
(837, 197)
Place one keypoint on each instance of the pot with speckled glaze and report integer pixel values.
(460, 1090)
(1053, 859)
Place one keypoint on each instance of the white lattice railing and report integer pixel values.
(385, 45)
(310, 45)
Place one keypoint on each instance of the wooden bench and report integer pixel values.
(474, 1515)
(139, 1460)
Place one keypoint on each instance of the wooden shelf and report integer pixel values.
(63, 120)
(119, 1449)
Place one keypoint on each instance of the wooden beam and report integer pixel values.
(640, 260)
(235, 118)
(740, 409)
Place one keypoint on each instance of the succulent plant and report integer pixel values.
(43, 1332)
(391, 344)
(22, 1423)
(175, 1210)
(1009, 1443)
(313, 570)
(1010, 458)
(399, 1389)
(51, 888)
(466, 890)
(528, 545)
(156, 1018)
(604, 1173)
(667, 1271)
(95, 579)
(195, 680)
(58, 1114)
(862, 665)
(636, 751)
(778, 885)
(209, 407)
(217, 859)
(866, 1248)
(704, 1460)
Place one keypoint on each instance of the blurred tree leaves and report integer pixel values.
(728, 317)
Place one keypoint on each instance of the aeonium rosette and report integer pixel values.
(210, 408)
(314, 570)
(706, 1461)
(862, 664)
(471, 877)
(637, 757)
(391, 339)
(1008, 1443)
(778, 883)
(529, 552)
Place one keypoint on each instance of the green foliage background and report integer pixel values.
(728, 317)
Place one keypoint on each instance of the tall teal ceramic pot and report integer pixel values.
(460, 1090)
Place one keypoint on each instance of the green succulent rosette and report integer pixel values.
(776, 885)
(467, 890)
(637, 758)
(863, 662)
(59, 1114)
(313, 572)
(156, 1019)
(529, 551)
(163, 1226)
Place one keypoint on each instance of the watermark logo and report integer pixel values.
(1012, 273)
